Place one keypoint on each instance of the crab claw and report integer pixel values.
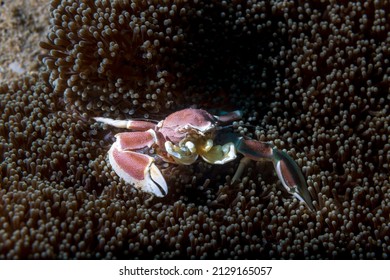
(286, 168)
(291, 177)
(137, 169)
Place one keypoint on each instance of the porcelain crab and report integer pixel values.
(184, 136)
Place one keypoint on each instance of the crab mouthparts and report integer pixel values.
(187, 151)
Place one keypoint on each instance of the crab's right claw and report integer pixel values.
(137, 169)
(286, 168)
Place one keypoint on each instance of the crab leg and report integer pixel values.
(136, 168)
(129, 124)
(230, 117)
(286, 168)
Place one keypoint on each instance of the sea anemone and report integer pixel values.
(311, 77)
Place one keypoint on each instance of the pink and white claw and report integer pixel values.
(136, 168)
(288, 172)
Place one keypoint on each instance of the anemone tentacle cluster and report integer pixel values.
(313, 77)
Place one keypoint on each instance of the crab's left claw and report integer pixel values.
(136, 168)
(286, 168)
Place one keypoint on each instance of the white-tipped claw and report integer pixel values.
(138, 170)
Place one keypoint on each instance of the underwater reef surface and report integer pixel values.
(312, 77)
(23, 24)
